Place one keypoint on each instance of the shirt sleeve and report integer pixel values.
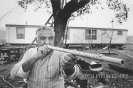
(21, 73)
(18, 66)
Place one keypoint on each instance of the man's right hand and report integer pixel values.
(42, 52)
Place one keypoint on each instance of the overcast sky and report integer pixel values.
(98, 18)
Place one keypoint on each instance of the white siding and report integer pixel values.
(78, 36)
(11, 35)
(117, 39)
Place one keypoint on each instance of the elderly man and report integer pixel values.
(43, 67)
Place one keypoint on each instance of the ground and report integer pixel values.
(122, 79)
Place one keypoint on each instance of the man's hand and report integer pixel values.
(42, 52)
(68, 63)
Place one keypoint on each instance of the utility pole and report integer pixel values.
(112, 23)
(112, 32)
(111, 36)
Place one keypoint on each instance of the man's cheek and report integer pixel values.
(40, 43)
(52, 43)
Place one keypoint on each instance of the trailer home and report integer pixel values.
(20, 34)
(96, 36)
(24, 34)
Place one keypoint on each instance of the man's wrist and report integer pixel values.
(69, 71)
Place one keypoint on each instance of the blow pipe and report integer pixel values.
(89, 55)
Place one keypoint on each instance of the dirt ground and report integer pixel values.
(120, 80)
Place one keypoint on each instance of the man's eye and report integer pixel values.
(50, 38)
(42, 38)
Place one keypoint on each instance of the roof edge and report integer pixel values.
(19, 25)
(37, 26)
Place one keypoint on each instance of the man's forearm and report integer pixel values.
(26, 66)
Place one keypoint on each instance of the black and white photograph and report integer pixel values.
(66, 44)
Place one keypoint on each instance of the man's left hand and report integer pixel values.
(69, 61)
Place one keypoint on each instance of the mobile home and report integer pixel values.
(20, 34)
(24, 34)
(96, 36)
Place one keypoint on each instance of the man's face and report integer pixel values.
(45, 36)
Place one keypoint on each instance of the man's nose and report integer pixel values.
(47, 41)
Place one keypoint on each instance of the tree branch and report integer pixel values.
(73, 6)
(56, 7)
(8, 13)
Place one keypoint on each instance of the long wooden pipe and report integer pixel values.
(89, 55)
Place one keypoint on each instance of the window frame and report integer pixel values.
(20, 35)
(119, 32)
(89, 34)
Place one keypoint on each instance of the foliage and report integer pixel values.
(37, 3)
(121, 10)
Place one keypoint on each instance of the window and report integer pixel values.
(119, 32)
(20, 33)
(87, 34)
(94, 35)
(90, 34)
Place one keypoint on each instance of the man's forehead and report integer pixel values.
(45, 33)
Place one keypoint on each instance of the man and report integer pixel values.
(43, 67)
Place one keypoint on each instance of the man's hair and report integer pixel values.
(45, 28)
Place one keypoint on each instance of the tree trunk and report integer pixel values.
(61, 16)
(59, 28)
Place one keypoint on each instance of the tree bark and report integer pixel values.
(59, 28)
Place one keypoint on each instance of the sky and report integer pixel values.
(98, 18)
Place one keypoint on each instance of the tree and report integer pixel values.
(109, 36)
(63, 9)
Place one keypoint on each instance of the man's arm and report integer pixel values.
(41, 53)
(27, 66)
(17, 66)
(69, 67)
